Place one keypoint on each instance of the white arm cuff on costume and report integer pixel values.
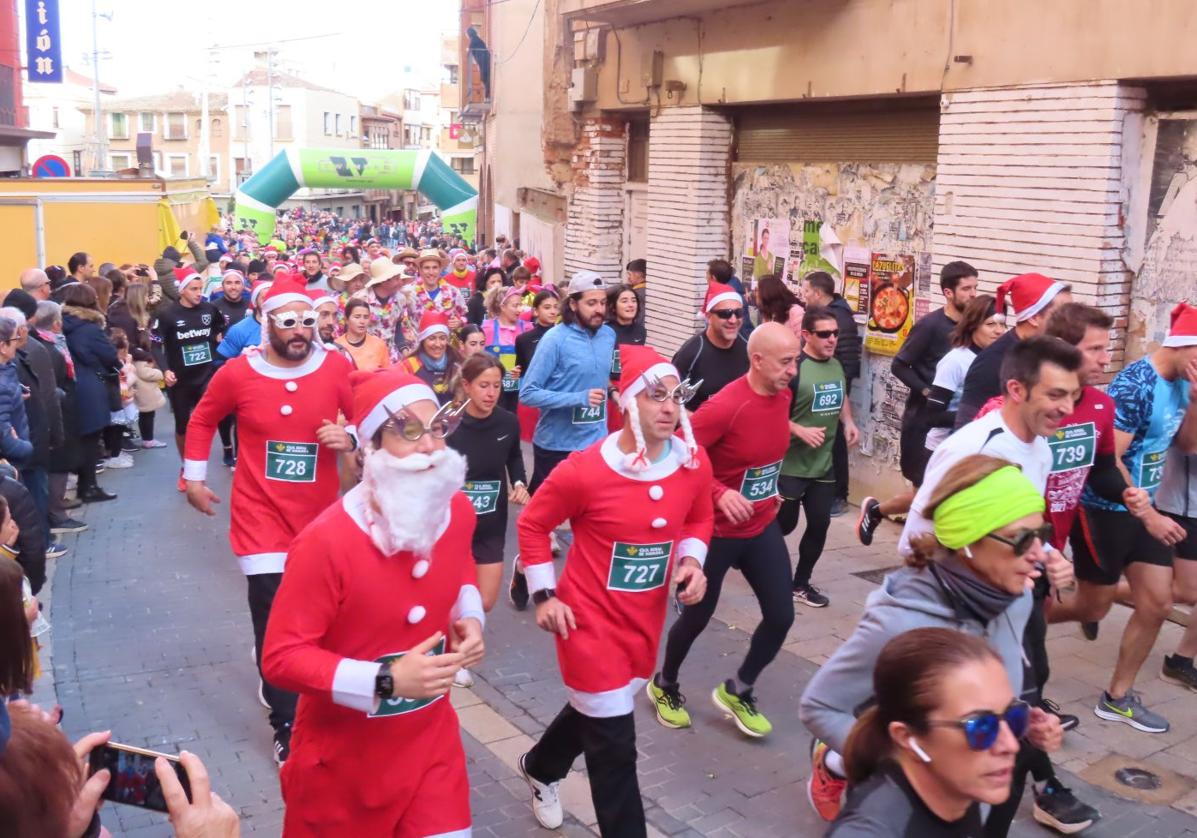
(695, 548)
(353, 684)
(540, 576)
(352, 431)
(195, 469)
(469, 604)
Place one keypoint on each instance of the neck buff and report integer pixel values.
(986, 506)
(969, 592)
(435, 366)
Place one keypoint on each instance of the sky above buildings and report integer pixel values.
(359, 47)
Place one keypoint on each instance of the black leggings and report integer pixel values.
(544, 460)
(113, 437)
(765, 563)
(226, 427)
(816, 498)
(145, 425)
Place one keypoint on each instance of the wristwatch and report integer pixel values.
(384, 684)
(543, 595)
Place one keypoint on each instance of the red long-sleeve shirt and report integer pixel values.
(629, 530)
(746, 436)
(284, 478)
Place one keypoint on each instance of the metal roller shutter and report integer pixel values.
(900, 131)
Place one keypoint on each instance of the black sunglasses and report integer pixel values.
(729, 313)
(981, 729)
(824, 334)
(1025, 539)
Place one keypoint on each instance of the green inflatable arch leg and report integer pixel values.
(347, 168)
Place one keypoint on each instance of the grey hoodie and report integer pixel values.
(907, 599)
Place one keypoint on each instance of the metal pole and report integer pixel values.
(270, 97)
(101, 141)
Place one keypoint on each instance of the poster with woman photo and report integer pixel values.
(768, 246)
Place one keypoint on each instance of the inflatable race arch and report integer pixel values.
(350, 168)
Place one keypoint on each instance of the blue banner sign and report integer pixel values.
(43, 43)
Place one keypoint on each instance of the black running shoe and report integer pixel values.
(838, 507)
(1090, 630)
(870, 518)
(1067, 720)
(1057, 808)
(518, 591)
(1180, 671)
(282, 745)
(812, 596)
(229, 459)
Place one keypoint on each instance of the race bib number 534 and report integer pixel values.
(760, 483)
(638, 567)
(291, 462)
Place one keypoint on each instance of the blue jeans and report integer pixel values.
(37, 481)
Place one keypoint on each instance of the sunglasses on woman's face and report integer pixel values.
(981, 729)
(1025, 539)
(291, 319)
(729, 313)
(442, 423)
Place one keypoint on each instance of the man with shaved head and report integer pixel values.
(35, 283)
(745, 429)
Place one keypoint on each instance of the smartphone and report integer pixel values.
(133, 779)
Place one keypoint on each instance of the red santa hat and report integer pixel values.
(1029, 294)
(321, 297)
(718, 293)
(533, 265)
(282, 267)
(185, 275)
(641, 366)
(379, 391)
(433, 322)
(1183, 329)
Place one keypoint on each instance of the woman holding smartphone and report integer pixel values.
(489, 437)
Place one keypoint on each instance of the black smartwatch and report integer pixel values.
(543, 595)
(384, 684)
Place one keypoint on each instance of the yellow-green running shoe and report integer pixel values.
(668, 705)
(742, 711)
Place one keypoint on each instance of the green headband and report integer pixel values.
(988, 505)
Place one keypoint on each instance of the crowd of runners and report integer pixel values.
(372, 387)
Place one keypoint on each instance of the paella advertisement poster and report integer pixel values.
(891, 302)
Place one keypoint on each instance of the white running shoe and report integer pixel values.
(546, 805)
(262, 694)
(121, 461)
(463, 678)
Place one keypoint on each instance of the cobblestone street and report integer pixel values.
(152, 639)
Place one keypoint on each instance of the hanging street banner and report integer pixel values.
(42, 41)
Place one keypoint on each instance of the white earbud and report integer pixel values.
(914, 746)
(968, 553)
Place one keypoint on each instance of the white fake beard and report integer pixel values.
(410, 500)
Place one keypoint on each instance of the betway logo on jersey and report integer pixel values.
(192, 333)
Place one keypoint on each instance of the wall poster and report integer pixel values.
(891, 302)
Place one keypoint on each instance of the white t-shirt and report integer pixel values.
(949, 374)
(987, 435)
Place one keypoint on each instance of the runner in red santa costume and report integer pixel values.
(376, 588)
(285, 397)
(640, 505)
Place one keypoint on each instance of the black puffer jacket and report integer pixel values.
(848, 348)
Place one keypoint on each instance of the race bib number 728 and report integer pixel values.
(291, 462)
